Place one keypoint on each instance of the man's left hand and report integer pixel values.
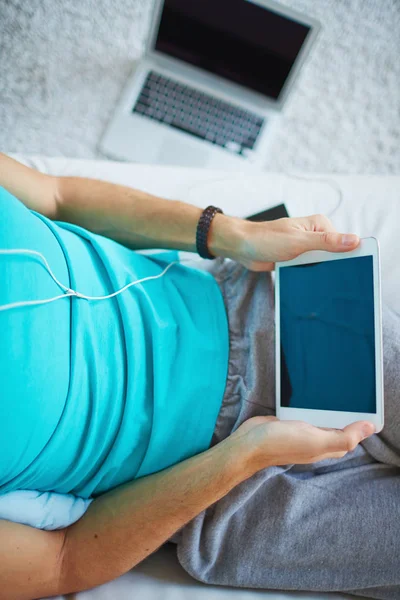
(259, 245)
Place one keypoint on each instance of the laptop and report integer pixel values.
(211, 84)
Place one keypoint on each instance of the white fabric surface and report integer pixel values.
(370, 206)
(64, 64)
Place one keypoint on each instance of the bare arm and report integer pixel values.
(126, 215)
(140, 220)
(119, 529)
(127, 524)
(36, 190)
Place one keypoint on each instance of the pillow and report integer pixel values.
(43, 510)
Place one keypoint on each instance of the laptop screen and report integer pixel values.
(236, 39)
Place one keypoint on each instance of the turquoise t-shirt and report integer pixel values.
(94, 394)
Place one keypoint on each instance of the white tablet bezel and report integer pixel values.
(330, 418)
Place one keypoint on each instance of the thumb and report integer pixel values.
(333, 241)
(349, 437)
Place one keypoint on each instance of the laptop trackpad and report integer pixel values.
(184, 154)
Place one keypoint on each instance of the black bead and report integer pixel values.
(203, 228)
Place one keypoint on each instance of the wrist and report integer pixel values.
(226, 236)
(243, 456)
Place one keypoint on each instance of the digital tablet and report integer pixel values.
(329, 337)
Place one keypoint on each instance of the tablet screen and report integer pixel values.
(328, 336)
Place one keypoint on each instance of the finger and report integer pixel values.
(261, 266)
(316, 223)
(345, 440)
(331, 241)
(331, 455)
(336, 454)
(322, 223)
(322, 235)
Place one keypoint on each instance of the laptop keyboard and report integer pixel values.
(199, 114)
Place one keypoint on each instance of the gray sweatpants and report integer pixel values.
(328, 526)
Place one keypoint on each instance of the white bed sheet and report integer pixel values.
(370, 206)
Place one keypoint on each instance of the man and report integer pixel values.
(88, 390)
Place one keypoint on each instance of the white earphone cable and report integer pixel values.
(335, 186)
(34, 302)
(68, 291)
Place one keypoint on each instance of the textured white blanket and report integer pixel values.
(64, 63)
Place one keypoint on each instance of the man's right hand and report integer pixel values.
(126, 524)
(267, 441)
